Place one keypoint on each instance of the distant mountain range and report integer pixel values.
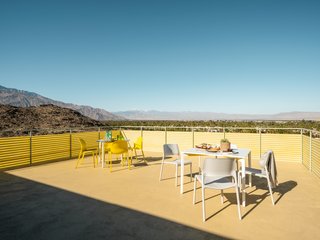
(159, 115)
(20, 98)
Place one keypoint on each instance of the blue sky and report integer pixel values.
(220, 56)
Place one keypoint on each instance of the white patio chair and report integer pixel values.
(200, 163)
(268, 170)
(220, 174)
(172, 150)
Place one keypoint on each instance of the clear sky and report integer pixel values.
(217, 55)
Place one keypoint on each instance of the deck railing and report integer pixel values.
(289, 144)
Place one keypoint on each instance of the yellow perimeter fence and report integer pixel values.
(290, 145)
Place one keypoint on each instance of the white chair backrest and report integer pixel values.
(223, 167)
(170, 150)
(265, 158)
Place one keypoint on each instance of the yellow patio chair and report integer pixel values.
(138, 145)
(119, 147)
(85, 150)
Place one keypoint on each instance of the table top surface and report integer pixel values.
(104, 140)
(237, 153)
(107, 140)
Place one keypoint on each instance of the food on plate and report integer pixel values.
(205, 146)
(214, 149)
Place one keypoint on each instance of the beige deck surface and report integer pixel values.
(55, 201)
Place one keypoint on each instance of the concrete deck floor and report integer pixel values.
(55, 201)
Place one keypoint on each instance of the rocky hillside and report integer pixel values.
(19, 98)
(43, 119)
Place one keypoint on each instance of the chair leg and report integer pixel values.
(222, 196)
(238, 201)
(270, 189)
(100, 152)
(239, 179)
(194, 190)
(135, 153)
(190, 172)
(78, 161)
(94, 159)
(161, 169)
(110, 162)
(82, 158)
(129, 161)
(121, 159)
(203, 204)
(144, 159)
(177, 175)
(107, 160)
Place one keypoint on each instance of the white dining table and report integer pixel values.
(240, 154)
(102, 150)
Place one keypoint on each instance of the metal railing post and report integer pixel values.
(70, 139)
(260, 142)
(192, 137)
(99, 136)
(165, 135)
(301, 132)
(141, 132)
(30, 134)
(310, 150)
(224, 133)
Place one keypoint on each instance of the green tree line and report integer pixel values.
(313, 125)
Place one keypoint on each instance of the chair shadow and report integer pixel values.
(284, 188)
(219, 211)
(117, 166)
(140, 164)
(208, 198)
(229, 198)
(256, 200)
(167, 178)
(135, 163)
(153, 159)
(253, 199)
(184, 183)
